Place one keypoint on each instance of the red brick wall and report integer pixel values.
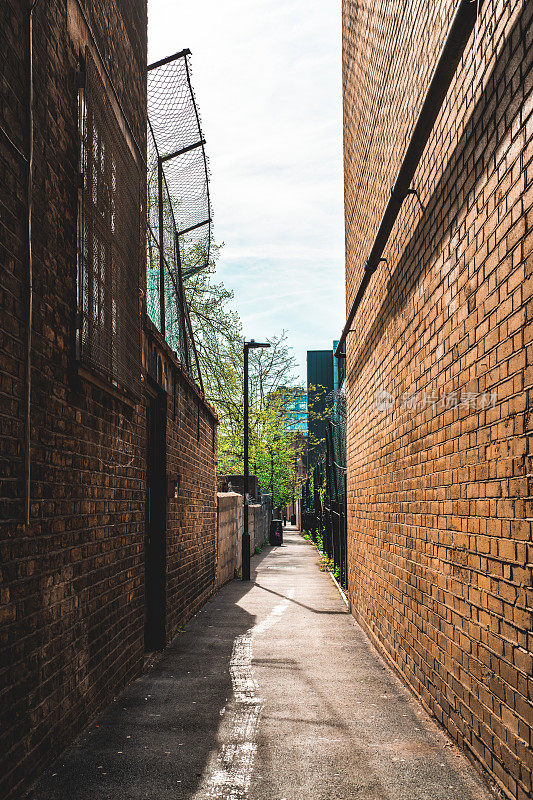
(440, 551)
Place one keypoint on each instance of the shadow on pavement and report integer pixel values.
(155, 740)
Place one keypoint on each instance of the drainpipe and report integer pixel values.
(461, 27)
(29, 274)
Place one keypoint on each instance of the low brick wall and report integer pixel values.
(229, 536)
(258, 525)
(229, 533)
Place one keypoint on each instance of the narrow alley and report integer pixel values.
(266, 262)
(272, 691)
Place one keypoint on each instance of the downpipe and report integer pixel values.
(461, 27)
(29, 272)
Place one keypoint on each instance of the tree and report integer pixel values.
(219, 343)
(217, 334)
(276, 454)
(269, 369)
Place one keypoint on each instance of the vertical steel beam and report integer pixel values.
(161, 247)
(245, 532)
(181, 300)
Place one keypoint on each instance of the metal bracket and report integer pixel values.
(193, 227)
(183, 150)
(400, 199)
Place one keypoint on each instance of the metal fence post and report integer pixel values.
(161, 246)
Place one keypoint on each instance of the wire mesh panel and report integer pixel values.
(109, 258)
(336, 400)
(178, 204)
(175, 122)
(324, 514)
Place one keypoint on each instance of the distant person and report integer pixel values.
(284, 520)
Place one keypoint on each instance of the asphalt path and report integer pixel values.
(272, 692)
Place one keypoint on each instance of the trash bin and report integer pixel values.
(293, 519)
(276, 532)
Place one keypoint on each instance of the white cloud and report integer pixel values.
(267, 76)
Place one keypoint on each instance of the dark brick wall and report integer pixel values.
(72, 582)
(12, 253)
(126, 22)
(191, 453)
(439, 496)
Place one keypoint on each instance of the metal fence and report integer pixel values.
(324, 514)
(178, 204)
(109, 256)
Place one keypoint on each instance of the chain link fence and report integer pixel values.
(178, 204)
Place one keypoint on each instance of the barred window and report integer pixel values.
(109, 242)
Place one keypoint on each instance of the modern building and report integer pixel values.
(294, 406)
(339, 370)
(438, 164)
(320, 383)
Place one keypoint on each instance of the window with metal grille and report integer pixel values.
(109, 242)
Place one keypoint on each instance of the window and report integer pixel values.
(108, 335)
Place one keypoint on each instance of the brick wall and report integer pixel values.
(12, 253)
(230, 521)
(439, 500)
(191, 554)
(229, 535)
(191, 448)
(73, 581)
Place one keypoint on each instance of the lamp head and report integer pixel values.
(253, 345)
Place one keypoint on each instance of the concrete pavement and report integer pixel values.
(273, 692)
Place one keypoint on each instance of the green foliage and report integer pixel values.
(219, 342)
(218, 337)
(326, 563)
(319, 411)
(275, 454)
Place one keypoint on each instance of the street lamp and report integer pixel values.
(251, 345)
(294, 483)
(272, 476)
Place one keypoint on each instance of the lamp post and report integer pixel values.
(272, 477)
(251, 345)
(294, 485)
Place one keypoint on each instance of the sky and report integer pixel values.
(267, 80)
